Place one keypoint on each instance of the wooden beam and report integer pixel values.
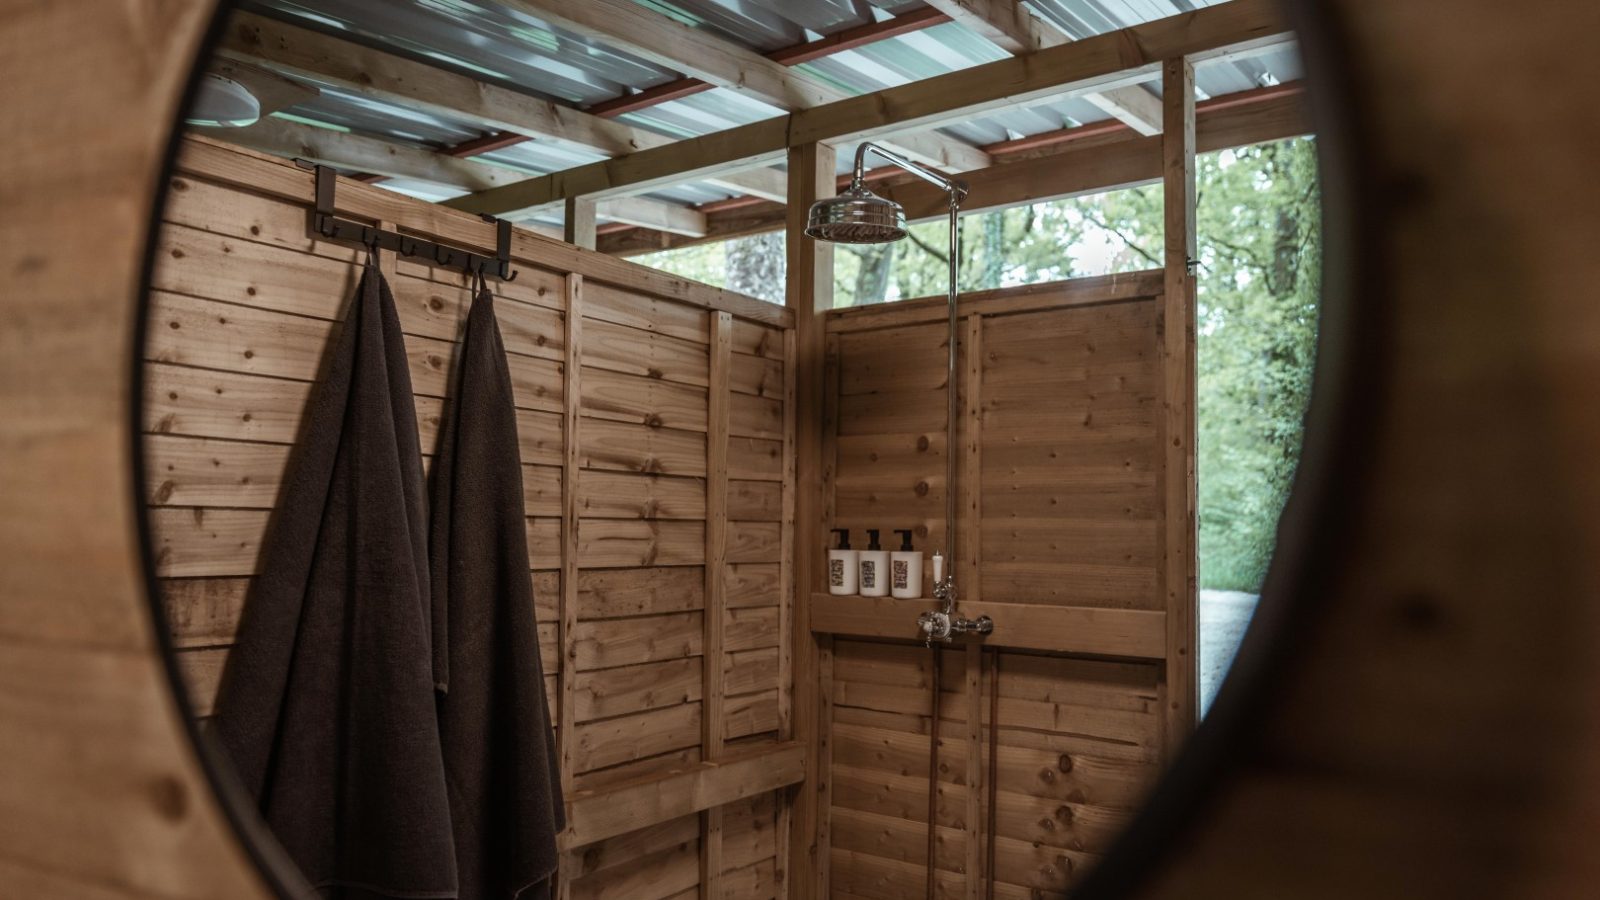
(578, 226)
(976, 788)
(652, 799)
(657, 215)
(640, 31)
(1133, 106)
(1133, 633)
(280, 178)
(908, 22)
(1005, 23)
(809, 295)
(1085, 160)
(1087, 291)
(405, 82)
(1010, 26)
(390, 159)
(567, 603)
(838, 42)
(281, 137)
(1093, 64)
(712, 706)
(1175, 428)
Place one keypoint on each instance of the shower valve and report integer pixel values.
(939, 626)
(936, 626)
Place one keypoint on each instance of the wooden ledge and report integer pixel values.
(1119, 287)
(1064, 629)
(650, 800)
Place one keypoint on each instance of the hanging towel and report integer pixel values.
(328, 705)
(499, 750)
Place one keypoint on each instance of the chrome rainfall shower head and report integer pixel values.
(857, 216)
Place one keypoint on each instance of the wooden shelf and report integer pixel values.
(1067, 629)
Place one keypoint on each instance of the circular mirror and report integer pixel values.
(592, 561)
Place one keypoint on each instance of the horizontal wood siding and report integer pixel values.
(1078, 745)
(1057, 521)
(244, 309)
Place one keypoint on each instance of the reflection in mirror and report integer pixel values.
(497, 567)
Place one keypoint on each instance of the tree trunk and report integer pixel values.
(872, 276)
(994, 250)
(756, 266)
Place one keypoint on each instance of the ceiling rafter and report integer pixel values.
(649, 35)
(1086, 159)
(838, 42)
(849, 39)
(1229, 30)
(316, 56)
(344, 150)
(1012, 27)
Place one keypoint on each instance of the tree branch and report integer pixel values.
(928, 248)
(1121, 236)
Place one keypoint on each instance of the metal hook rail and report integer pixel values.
(326, 223)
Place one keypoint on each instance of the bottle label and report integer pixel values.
(836, 572)
(900, 574)
(869, 573)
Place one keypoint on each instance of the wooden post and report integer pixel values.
(810, 294)
(976, 787)
(716, 578)
(786, 607)
(971, 544)
(968, 437)
(1176, 429)
(579, 225)
(568, 606)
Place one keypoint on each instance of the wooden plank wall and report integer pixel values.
(1057, 535)
(654, 435)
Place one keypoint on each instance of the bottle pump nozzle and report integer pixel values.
(844, 538)
(905, 539)
(872, 539)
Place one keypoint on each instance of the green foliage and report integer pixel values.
(1259, 292)
(1260, 256)
(705, 263)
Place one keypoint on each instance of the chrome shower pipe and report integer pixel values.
(947, 596)
(943, 624)
(945, 591)
(954, 186)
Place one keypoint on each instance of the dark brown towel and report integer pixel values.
(328, 707)
(499, 750)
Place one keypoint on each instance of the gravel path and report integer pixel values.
(1224, 615)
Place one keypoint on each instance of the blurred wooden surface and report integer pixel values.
(101, 794)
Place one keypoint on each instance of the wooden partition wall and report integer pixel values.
(1060, 536)
(655, 427)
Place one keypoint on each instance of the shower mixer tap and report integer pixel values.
(942, 626)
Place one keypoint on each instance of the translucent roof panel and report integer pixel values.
(497, 43)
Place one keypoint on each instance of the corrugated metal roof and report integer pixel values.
(511, 48)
